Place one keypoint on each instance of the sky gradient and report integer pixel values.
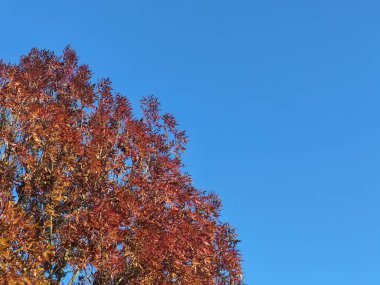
(280, 100)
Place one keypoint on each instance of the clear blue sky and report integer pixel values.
(280, 100)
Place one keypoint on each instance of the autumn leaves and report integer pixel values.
(86, 185)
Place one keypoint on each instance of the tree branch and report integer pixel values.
(75, 275)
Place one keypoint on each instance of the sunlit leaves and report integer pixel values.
(87, 188)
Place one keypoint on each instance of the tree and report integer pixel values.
(89, 194)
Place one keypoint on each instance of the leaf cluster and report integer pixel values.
(93, 195)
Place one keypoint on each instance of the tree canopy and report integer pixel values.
(91, 194)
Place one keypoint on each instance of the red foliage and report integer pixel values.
(87, 188)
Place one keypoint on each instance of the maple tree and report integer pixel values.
(90, 194)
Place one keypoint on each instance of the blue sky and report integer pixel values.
(281, 103)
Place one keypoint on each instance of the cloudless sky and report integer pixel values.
(280, 100)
